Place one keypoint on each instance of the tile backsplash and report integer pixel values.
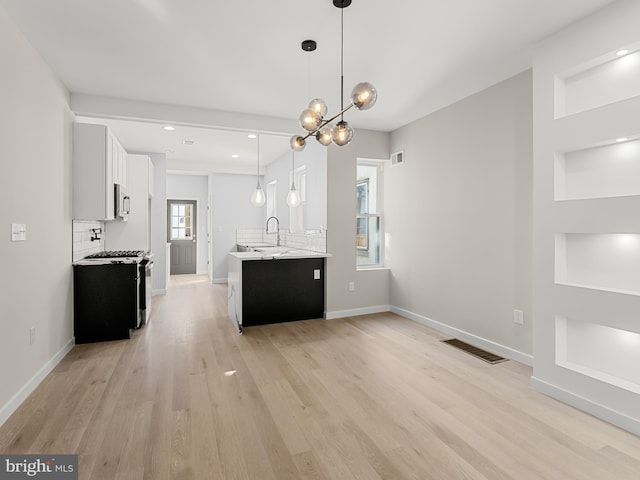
(82, 234)
(313, 240)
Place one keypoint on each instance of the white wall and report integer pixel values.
(193, 187)
(35, 189)
(159, 223)
(371, 286)
(586, 253)
(458, 216)
(314, 158)
(231, 209)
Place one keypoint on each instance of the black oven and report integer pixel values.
(146, 288)
(107, 297)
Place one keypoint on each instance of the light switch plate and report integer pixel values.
(18, 232)
(518, 317)
(316, 274)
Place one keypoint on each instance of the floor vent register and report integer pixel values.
(475, 351)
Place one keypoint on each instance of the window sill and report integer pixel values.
(373, 267)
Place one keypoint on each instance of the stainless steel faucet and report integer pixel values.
(278, 226)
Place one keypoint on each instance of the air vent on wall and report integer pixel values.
(397, 158)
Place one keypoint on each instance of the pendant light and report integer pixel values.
(293, 197)
(363, 97)
(258, 197)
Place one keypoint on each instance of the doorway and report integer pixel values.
(181, 234)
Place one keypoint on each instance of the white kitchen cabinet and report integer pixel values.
(99, 161)
(135, 233)
(119, 160)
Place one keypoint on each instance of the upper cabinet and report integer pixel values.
(135, 233)
(99, 162)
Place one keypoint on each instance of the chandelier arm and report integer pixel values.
(326, 122)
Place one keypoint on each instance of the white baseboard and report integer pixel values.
(219, 280)
(159, 291)
(493, 347)
(355, 312)
(600, 411)
(12, 405)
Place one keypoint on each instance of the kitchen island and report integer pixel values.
(275, 284)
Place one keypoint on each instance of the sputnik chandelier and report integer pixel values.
(312, 119)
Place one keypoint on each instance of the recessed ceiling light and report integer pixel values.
(252, 135)
(169, 128)
(235, 155)
(622, 52)
(621, 139)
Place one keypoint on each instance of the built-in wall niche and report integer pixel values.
(602, 81)
(608, 354)
(608, 262)
(611, 170)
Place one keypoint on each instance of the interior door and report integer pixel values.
(181, 233)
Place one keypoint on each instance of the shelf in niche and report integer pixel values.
(605, 80)
(607, 262)
(611, 170)
(608, 354)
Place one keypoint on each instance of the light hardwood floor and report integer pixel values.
(371, 397)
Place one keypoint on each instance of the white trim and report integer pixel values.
(354, 312)
(597, 410)
(159, 291)
(220, 280)
(497, 348)
(12, 405)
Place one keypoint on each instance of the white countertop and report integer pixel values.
(274, 253)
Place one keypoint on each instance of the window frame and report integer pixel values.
(368, 216)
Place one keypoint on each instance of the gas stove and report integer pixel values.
(117, 254)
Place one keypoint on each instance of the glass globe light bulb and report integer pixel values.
(293, 197)
(364, 96)
(324, 136)
(297, 143)
(341, 133)
(309, 120)
(258, 197)
(319, 106)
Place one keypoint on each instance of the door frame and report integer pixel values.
(168, 226)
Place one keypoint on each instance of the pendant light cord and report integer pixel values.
(308, 75)
(342, 63)
(258, 155)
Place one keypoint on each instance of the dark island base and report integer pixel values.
(282, 290)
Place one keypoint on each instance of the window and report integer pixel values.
(181, 221)
(368, 214)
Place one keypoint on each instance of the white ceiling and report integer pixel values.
(244, 57)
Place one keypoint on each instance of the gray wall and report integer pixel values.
(35, 189)
(371, 286)
(159, 223)
(459, 215)
(193, 187)
(314, 158)
(231, 209)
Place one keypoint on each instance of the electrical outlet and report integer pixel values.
(518, 317)
(32, 335)
(18, 232)
(352, 286)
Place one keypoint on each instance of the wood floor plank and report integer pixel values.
(369, 397)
